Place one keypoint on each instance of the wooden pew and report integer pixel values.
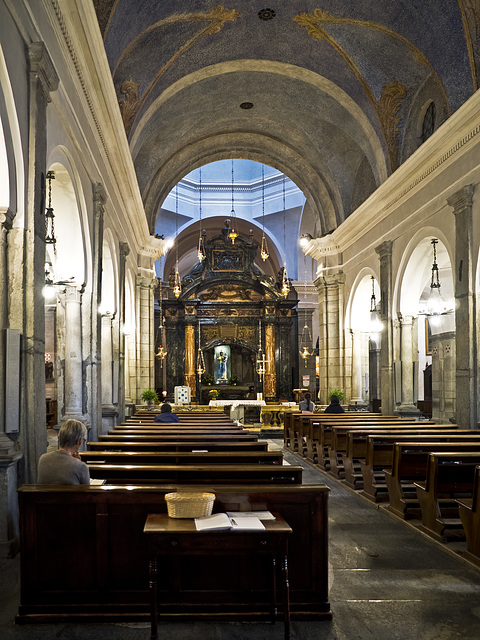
(182, 458)
(144, 443)
(469, 511)
(200, 474)
(178, 437)
(449, 477)
(379, 457)
(107, 581)
(356, 446)
(409, 464)
(175, 426)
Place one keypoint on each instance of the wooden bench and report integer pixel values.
(409, 464)
(174, 428)
(186, 457)
(105, 579)
(144, 443)
(469, 511)
(449, 477)
(178, 436)
(201, 474)
(357, 446)
(379, 458)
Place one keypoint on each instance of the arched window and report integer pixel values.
(428, 126)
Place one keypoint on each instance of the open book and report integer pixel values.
(219, 521)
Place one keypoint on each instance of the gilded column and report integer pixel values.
(270, 375)
(387, 396)
(465, 327)
(190, 377)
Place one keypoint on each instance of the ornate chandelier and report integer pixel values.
(233, 234)
(264, 248)
(200, 359)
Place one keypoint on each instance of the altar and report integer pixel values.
(237, 407)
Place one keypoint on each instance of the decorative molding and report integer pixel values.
(6, 218)
(462, 200)
(41, 66)
(154, 248)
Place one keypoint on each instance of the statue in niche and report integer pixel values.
(222, 364)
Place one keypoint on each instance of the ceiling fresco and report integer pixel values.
(330, 93)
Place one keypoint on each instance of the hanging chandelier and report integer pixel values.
(200, 359)
(161, 352)
(177, 286)
(306, 336)
(436, 305)
(50, 216)
(233, 234)
(201, 246)
(376, 325)
(285, 284)
(261, 363)
(264, 248)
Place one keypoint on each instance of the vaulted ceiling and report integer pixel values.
(332, 93)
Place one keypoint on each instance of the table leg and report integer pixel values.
(286, 598)
(152, 585)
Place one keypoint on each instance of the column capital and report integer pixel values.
(42, 68)
(461, 199)
(384, 250)
(99, 196)
(124, 250)
(146, 282)
(6, 218)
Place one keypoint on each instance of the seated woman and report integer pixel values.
(166, 414)
(334, 406)
(64, 465)
(306, 405)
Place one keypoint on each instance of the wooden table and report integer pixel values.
(171, 536)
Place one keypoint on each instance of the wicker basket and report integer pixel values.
(189, 505)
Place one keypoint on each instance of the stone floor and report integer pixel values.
(387, 581)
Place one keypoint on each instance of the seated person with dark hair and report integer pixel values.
(64, 466)
(166, 414)
(306, 405)
(334, 406)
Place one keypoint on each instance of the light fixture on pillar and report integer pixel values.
(233, 234)
(436, 305)
(50, 216)
(201, 245)
(264, 248)
(306, 337)
(200, 359)
(375, 323)
(160, 353)
(261, 364)
(177, 287)
(285, 288)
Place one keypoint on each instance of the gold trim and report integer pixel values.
(468, 38)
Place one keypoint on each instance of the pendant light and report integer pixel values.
(50, 216)
(177, 288)
(436, 305)
(264, 248)
(306, 337)
(285, 284)
(261, 363)
(200, 359)
(375, 323)
(161, 353)
(233, 234)
(201, 246)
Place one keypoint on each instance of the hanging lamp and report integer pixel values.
(261, 363)
(285, 288)
(177, 287)
(50, 216)
(161, 352)
(375, 323)
(264, 247)
(436, 305)
(200, 359)
(233, 234)
(306, 336)
(201, 246)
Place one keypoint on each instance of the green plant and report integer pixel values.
(336, 392)
(207, 378)
(149, 395)
(234, 380)
(213, 393)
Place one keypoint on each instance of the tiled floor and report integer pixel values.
(387, 582)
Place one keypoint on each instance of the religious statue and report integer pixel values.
(222, 366)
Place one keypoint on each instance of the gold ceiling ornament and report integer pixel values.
(285, 283)
(233, 234)
(201, 244)
(264, 248)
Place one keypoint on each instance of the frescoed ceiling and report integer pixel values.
(331, 93)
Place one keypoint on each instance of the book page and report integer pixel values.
(261, 515)
(215, 522)
(247, 523)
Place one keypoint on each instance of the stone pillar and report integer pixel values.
(357, 394)
(190, 377)
(384, 251)
(408, 356)
(270, 375)
(145, 334)
(331, 344)
(73, 395)
(465, 328)
(122, 356)
(92, 353)
(6, 219)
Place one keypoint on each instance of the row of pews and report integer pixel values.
(84, 555)
(418, 470)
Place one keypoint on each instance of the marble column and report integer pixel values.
(190, 377)
(331, 334)
(465, 326)
(73, 395)
(384, 251)
(109, 410)
(6, 219)
(270, 375)
(122, 356)
(408, 356)
(357, 393)
(145, 334)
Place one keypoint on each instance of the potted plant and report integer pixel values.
(149, 396)
(336, 392)
(213, 394)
